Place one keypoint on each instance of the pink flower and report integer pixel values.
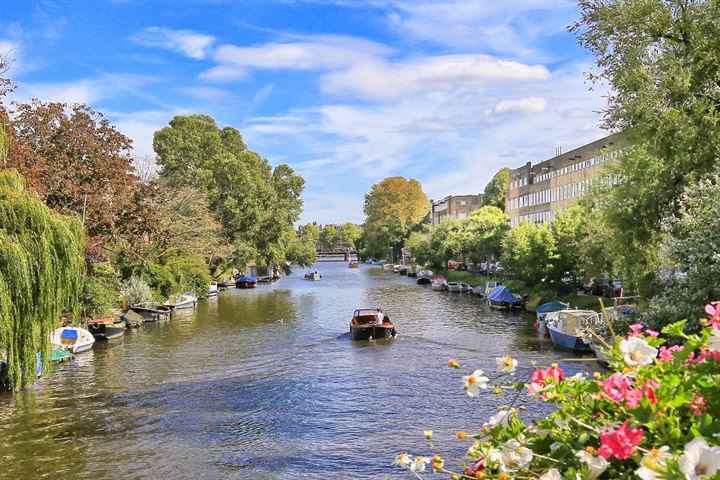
(666, 354)
(616, 387)
(652, 333)
(636, 329)
(540, 379)
(713, 309)
(555, 373)
(620, 443)
(697, 406)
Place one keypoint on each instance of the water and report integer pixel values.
(267, 384)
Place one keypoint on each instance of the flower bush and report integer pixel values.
(654, 417)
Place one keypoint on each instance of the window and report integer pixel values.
(463, 202)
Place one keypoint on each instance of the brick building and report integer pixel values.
(454, 206)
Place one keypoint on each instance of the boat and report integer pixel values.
(106, 328)
(599, 350)
(453, 287)
(396, 269)
(623, 307)
(60, 355)
(543, 310)
(412, 271)
(184, 300)
(213, 289)
(72, 339)
(438, 283)
(388, 266)
(315, 276)
(371, 324)
(132, 319)
(503, 299)
(489, 287)
(465, 288)
(150, 313)
(353, 264)
(229, 283)
(403, 270)
(246, 282)
(568, 328)
(424, 277)
(479, 291)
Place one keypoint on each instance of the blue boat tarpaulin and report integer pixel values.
(68, 333)
(502, 294)
(247, 279)
(554, 306)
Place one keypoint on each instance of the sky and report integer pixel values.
(346, 92)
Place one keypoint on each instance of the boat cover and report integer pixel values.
(553, 306)
(502, 294)
(69, 333)
(247, 279)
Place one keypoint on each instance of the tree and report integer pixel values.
(480, 235)
(660, 59)
(529, 252)
(418, 243)
(394, 207)
(311, 230)
(442, 243)
(328, 237)
(496, 189)
(303, 248)
(349, 233)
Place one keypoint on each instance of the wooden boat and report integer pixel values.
(371, 324)
(543, 310)
(502, 298)
(60, 355)
(184, 300)
(106, 328)
(453, 287)
(353, 265)
(568, 328)
(315, 276)
(438, 283)
(600, 351)
(151, 313)
(72, 339)
(213, 289)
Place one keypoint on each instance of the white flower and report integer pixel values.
(552, 474)
(654, 464)
(506, 364)
(596, 464)
(636, 351)
(418, 465)
(403, 460)
(714, 341)
(699, 459)
(502, 417)
(514, 455)
(473, 383)
(577, 378)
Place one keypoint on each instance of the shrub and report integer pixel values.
(137, 291)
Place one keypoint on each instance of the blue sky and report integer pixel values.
(346, 92)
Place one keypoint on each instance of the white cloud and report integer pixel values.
(521, 105)
(191, 44)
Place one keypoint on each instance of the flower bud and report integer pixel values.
(453, 364)
(428, 434)
(461, 435)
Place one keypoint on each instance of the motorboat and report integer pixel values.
(353, 264)
(479, 291)
(438, 283)
(543, 310)
(315, 276)
(465, 288)
(184, 300)
(150, 313)
(72, 339)
(106, 328)
(403, 270)
(412, 271)
(568, 328)
(502, 298)
(453, 287)
(424, 277)
(371, 324)
(246, 282)
(213, 289)
(489, 287)
(396, 269)
(388, 266)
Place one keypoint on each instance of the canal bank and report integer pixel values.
(265, 383)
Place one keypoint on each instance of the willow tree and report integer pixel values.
(40, 265)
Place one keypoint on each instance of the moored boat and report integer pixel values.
(465, 288)
(396, 269)
(213, 289)
(371, 324)
(353, 264)
(184, 300)
(246, 282)
(568, 328)
(502, 298)
(412, 271)
(388, 266)
(438, 283)
(453, 287)
(151, 313)
(403, 270)
(489, 287)
(72, 339)
(313, 276)
(543, 310)
(424, 277)
(106, 328)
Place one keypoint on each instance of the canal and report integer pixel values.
(266, 384)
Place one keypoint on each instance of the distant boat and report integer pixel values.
(403, 270)
(72, 339)
(396, 269)
(479, 291)
(106, 328)
(313, 276)
(388, 266)
(149, 313)
(353, 264)
(371, 324)
(213, 289)
(543, 310)
(453, 287)
(465, 288)
(246, 282)
(412, 271)
(184, 300)
(503, 299)
(424, 277)
(568, 328)
(438, 283)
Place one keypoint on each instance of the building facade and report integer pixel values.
(537, 192)
(454, 206)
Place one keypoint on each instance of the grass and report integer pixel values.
(537, 295)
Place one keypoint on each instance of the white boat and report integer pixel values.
(453, 287)
(388, 266)
(544, 310)
(184, 300)
(72, 339)
(479, 291)
(213, 289)
(313, 276)
(438, 283)
(465, 288)
(489, 287)
(568, 328)
(396, 268)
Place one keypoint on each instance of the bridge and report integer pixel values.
(337, 255)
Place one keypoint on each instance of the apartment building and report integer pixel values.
(454, 206)
(537, 192)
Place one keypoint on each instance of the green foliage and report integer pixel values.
(349, 233)
(529, 252)
(100, 293)
(418, 243)
(189, 273)
(328, 237)
(495, 190)
(302, 250)
(41, 275)
(480, 235)
(137, 291)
